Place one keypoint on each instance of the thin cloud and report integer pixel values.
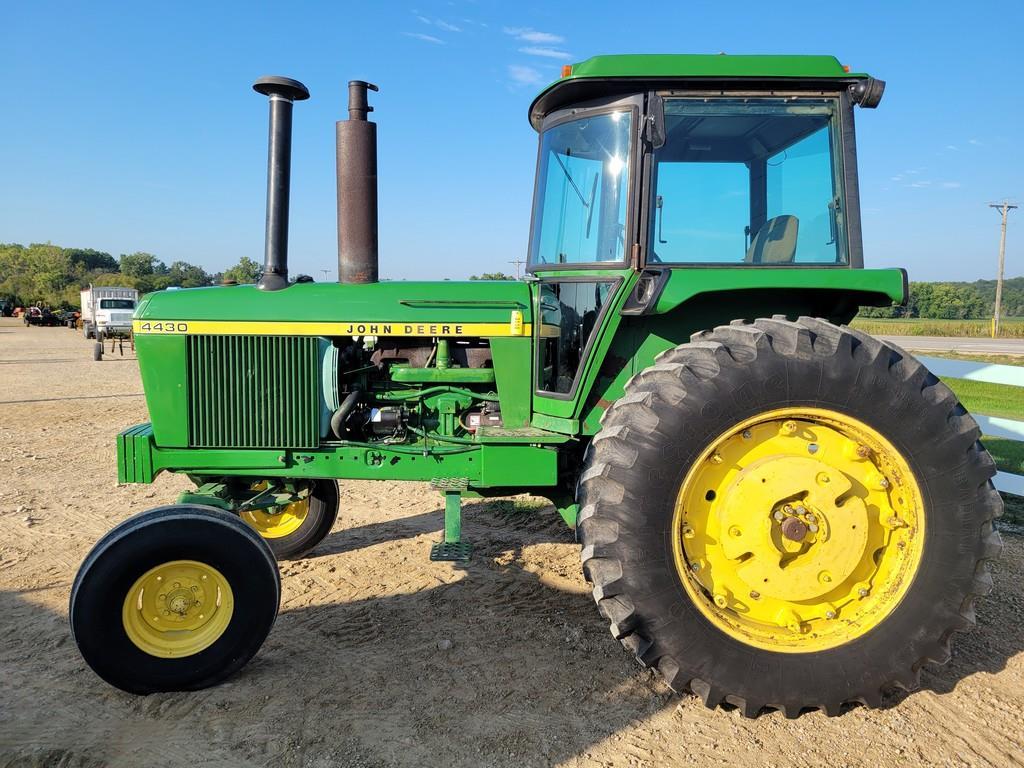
(549, 53)
(521, 75)
(530, 35)
(439, 23)
(975, 142)
(424, 38)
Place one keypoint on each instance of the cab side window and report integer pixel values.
(568, 315)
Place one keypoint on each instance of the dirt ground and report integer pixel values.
(380, 657)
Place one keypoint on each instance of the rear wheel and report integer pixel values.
(293, 529)
(788, 515)
(177, 598)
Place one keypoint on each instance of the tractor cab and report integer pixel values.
(653, 170)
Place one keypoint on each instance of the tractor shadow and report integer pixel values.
(495, 663)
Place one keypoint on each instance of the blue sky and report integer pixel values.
(133, 126)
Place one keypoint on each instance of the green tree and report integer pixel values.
(88, 260)
(185, 275)
(141, 264)
(245, 271)
(491, 276)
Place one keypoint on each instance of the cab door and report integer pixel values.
(582, 247)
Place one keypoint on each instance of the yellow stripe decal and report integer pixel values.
(336, 328)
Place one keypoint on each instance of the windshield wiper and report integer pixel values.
(569, 177)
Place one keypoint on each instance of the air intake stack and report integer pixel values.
(281, 92)
(357, 189)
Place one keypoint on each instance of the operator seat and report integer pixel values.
(775, 242)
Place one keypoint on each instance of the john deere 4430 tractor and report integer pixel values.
(775, 510)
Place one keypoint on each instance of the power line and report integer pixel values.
(1004, 208)
(518, 263)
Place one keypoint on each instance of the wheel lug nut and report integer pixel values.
(830, 614)
(746, 434)
(720, 600)
(862, 592)
(778, 515)
(754, 595)
(788, 428)
(716, 458)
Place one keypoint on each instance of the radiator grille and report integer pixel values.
(253, 391)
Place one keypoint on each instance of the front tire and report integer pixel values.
(174, 599)
(701, 490)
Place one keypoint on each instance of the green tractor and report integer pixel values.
(775, 510)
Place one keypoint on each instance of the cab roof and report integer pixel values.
(608, 75)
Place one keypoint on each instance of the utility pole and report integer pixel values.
(518, 263)
(1004, 208)
(327, 275)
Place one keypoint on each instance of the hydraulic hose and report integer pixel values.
(340, 415)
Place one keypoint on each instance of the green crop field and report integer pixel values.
(1011, 327)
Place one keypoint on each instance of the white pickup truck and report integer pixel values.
(108, 309)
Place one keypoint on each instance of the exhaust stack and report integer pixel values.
(281, 92)
(357, 189)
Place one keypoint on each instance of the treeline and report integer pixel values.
(49, 276)
(956, 301)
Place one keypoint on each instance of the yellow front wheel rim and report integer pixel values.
(178, 608)
(798, 530)
(277, 522)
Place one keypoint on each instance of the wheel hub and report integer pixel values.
(278, 521)
(177, 608)
(798, 530)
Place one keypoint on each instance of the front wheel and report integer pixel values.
(293, 529)
(788, 515)
(174, 599)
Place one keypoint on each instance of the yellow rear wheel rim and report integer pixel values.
(277, 522)
(798, 530)
(178, 608)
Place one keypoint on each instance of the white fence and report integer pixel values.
(993, 426)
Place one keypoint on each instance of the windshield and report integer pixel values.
(582, 191)
(748, 181)
(117, 304)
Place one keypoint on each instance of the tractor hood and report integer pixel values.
(469, 308)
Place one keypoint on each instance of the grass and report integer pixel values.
(1009, 454)
(1010, 327)
(989, 399)
(1013, 509)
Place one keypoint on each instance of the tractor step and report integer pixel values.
(451, 551)
(452, 548)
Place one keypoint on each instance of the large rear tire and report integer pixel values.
(174, 599)
(788, 515)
